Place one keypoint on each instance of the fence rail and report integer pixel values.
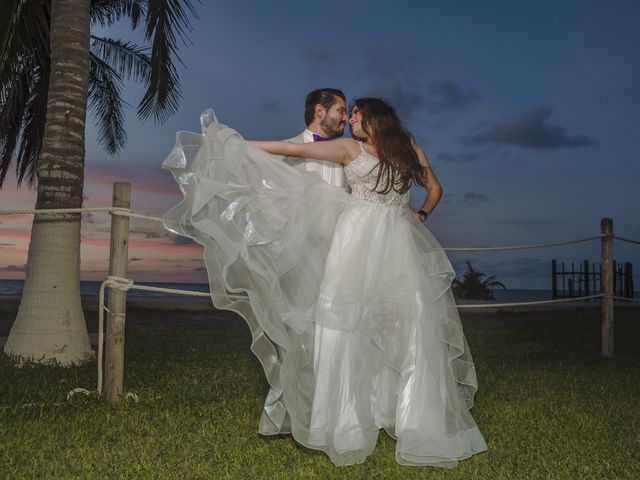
(118, 283)
(586, 279)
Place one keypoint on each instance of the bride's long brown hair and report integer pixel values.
(399, 165)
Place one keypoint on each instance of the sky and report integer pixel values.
(528, 111)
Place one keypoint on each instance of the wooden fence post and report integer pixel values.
(626, 292)
(118, 256)
(606, 283)
(585, 266)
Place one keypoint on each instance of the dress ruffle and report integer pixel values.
(348, 302)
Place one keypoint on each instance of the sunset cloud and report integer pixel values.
(271, 106)
(530, 224)
(530, 129)
(458, 157)
(321, 58)
(13, 268)
(448, 95)
(471, 199)
(147, 180)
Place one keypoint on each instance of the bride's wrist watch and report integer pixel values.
(423, 215)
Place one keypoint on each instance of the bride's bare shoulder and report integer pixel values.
(350, 146)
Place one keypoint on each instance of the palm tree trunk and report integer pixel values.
(50, 323)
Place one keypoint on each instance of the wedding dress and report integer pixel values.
(353, 289)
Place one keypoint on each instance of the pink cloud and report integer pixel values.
(15, 234)
(7, 219)
(13, 268)
(150, 245)
(146, 180)
(159, 256)
(17, 250)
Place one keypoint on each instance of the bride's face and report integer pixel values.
(355, 123)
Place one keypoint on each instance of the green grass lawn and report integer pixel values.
(549, 406)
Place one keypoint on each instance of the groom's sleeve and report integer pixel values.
(296, 162)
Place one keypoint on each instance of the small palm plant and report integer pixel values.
(474, 285)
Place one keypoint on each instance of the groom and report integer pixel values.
(325, 114)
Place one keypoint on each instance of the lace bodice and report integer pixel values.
(362, 173)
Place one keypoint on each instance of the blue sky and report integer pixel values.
(528, 111)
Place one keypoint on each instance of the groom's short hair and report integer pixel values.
(323, 96)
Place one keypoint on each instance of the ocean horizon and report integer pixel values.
(91, 288)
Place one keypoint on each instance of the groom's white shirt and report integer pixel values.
(331, 172)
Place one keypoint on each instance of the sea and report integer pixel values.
(89, 288)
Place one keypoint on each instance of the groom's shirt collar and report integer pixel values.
(307, 136)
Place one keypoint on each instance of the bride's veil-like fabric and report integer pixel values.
(250, 253)
(349, 304)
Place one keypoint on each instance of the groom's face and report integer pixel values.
(335, 119)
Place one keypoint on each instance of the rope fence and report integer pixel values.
(126, 212)
(627, 240)
(119, 284)
(520, 247)
(123, 212)
(536, 302)
(126, 284)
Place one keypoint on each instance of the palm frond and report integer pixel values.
(167, 21)
(13, 97)
(33, 123)
(472, 285)
(24, 34)
(106, 104)
(491, 283)
(25, 63)
(22, 123)
(24, 55)
(134, 9)
(108, 12)
(129, 60)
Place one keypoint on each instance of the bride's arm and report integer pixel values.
(432, 185)
(340, 150)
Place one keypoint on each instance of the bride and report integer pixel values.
(353, 289)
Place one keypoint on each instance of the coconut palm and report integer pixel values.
(474, 285)
(50, 66)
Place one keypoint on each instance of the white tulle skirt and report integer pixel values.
(349, 303)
